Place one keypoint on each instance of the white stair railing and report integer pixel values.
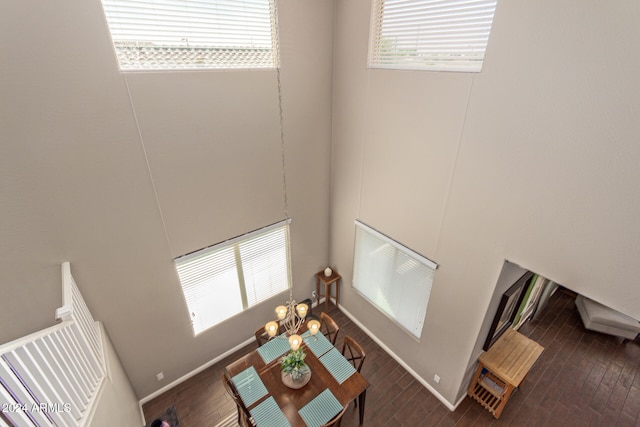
(52, 377)
(75, 310)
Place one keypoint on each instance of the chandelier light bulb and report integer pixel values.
(281, 311)
(313, 326)
(302, 309)
(295, 341)
(271, 328)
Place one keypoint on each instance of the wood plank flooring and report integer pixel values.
(583, 378)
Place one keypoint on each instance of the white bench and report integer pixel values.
(600, 318)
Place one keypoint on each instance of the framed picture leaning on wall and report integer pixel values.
(508, 309)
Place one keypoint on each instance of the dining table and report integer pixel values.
(333, 385)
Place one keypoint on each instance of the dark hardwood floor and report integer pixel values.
(583, 378)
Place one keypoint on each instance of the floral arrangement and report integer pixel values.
(293, 364)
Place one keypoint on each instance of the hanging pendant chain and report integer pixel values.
(280, 109)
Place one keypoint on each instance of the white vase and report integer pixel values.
(297, 383)
(328, 272)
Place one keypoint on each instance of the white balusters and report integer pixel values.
(52, 377)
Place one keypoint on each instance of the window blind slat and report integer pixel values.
(192, 34)
(393, 278)
(264, 262)
(430, 34)
(214, 279)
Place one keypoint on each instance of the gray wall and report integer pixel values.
(117, 403)
(533, 160)
(119, 174)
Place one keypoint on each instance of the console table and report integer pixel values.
(502, 369)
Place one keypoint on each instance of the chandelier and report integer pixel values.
(291, 317)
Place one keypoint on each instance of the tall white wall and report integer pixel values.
(121, 173)
(533, 160)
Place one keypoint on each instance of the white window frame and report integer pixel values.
(161, 35)
(437, 35)
(393, 278)
(223, 280)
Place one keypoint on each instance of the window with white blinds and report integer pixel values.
(192, 34)
(444, 35)
(394, 278)
(223, 280)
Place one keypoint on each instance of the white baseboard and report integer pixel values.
(452, 407)
(449, 405)
(202, 368)
(195, 371)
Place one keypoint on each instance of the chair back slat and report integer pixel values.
(329, 327)
(337, 420)
(353, 352)
(244, 417)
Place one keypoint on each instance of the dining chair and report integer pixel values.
(354, 353)
(261, 336)
(329, 327)
(337, 420)
(244, 417)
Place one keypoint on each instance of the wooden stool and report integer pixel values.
(328, 281)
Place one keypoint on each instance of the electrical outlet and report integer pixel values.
(160, 376)
(436, 378)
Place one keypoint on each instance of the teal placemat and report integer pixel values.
(275, 348)
(321, 409)
(336, 363)
(269, 414)
(319, 344)
(249, 385)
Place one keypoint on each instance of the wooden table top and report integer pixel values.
(512, 356)
(327, 280)
(290, 400)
